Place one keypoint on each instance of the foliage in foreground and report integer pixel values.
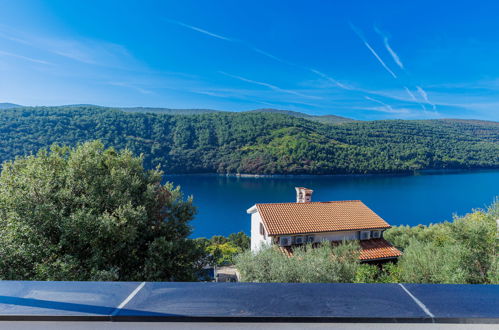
(463, 251)
(322, 264)
(222, 250)
(92, 214)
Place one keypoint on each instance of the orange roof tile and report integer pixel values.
(372, 249)
(315, 217)
(377, 248)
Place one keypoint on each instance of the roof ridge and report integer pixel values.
(326, 202)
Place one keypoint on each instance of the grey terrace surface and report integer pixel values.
(248, 302)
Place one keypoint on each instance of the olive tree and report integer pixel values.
(90, 213)
(325, 263)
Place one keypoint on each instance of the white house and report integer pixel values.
(292, 224)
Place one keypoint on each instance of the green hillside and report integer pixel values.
(327, 119)
(168, 111)
(257, 142)
(9, 105)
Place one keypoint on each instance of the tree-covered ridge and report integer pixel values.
(326, 119)
(256, 142)
(5, 105)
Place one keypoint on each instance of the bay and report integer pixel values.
(422, 198)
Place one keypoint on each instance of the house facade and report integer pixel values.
(288, 225)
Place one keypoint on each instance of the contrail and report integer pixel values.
(423, 94)
(387, 107)
(195, 28)
(26, 58)
(334, 81)
(273, 87)
(411, 95)
(233, 40)
(394, 55)
(260, 51)
(361, 36)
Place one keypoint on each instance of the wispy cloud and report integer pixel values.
(424, 95)
(386, 107)
(273, 87)
(411, 94)
(413, 98)
(257, 50)
(261, 52)
(26, 58)
(264, 53)
(83, 50)
(232, 40)
(241, 96)
(359, 33)
(203, 31)
(330, 79)
(390, 50)
(397, 60)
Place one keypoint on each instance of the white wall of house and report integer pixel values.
(337, 236)
(258, 240)
(331, 236)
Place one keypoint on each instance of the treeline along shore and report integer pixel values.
(257, 142)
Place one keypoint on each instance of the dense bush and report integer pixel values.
(221, 250)
(463, 251)
(92, 214)
(322, 264)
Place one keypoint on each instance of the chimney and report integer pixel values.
(303, 195)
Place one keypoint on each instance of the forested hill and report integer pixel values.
(257, 142)
(9, 105)
(330, 119)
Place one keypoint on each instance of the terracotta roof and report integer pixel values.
(377, 248)
(371, 249)
(316, 217)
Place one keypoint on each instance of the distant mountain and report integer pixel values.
(9, 105)
(168, 111)
(326, 119)
(257, 142)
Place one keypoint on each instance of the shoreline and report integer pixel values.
(278, 176)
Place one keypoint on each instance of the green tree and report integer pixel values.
(493, 274)
(426, 262)
(325, 263)
(90, 213)
(462, 251)
(223, 253)
(241, 240)
(367, 274)
(476, 233)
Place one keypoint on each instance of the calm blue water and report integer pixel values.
(424, 198)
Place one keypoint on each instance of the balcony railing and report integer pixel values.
(26, 304)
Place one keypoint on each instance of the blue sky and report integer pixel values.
(360, 59)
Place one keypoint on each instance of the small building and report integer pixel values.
(288, 225)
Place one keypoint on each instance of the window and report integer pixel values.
(262, 229)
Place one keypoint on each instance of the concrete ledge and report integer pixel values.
(104, 304)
